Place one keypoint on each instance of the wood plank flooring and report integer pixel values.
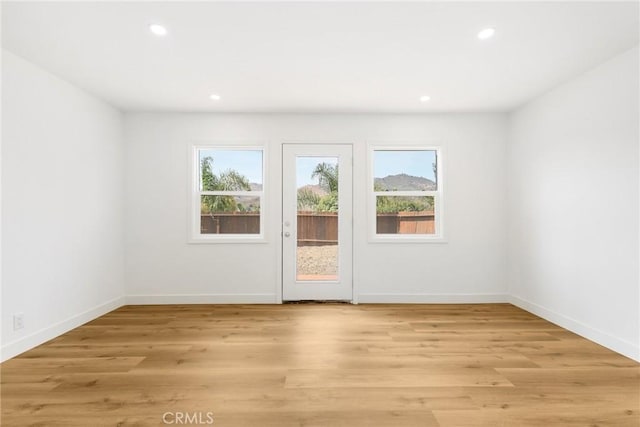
(320, 365)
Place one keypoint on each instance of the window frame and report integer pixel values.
(195, 193)
(438, 196)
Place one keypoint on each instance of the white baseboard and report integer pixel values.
(34, 339)
(202, 299)
(432, 298)
(613, 343)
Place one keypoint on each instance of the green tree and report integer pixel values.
(390, 204)
(229, 180)
(328, 203)
(395, 204)
(327, 175)
(307, 200)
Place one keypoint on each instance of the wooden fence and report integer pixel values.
(230, 223)
(422, 222)
(319, 228)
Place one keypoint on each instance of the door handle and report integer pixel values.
(287, 234)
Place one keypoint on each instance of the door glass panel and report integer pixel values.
(317, 219)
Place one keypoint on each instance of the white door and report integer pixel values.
(317, 222)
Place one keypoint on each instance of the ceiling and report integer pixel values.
(318, 57)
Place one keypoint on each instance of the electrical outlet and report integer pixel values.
(18, 321)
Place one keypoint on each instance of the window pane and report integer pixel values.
(229, 215)
(405, 215)
(405, 170)
(230, 170)
(317, 219)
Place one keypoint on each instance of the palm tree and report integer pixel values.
(327, 175)
(229, 180)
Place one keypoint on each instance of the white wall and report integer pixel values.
(62, 211)
(162, 267)
(573, 205)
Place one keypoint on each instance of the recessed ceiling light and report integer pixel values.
(425, 98)
(487, 33)
(214, 97)
(158, 30)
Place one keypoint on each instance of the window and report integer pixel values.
(228, 194)
(406, 193)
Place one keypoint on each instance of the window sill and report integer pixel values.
(394, 239)
(226, 240)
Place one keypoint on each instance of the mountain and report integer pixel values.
(404, 182)
(255, 187)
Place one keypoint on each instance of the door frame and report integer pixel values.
(350, 221)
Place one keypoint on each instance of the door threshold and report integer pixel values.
(318, 301)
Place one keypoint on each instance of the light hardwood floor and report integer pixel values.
(321, 365)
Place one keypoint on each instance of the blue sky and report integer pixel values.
(415, 163)
(249, 164)
(305, 167)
